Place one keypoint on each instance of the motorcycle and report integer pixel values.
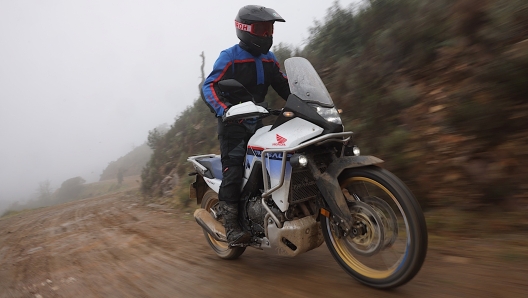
(306, 183)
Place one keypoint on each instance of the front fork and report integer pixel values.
(331, 190)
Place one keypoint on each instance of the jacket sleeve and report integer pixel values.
(211, 95)
(279, 81)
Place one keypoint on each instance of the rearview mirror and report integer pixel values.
(230, 85)
(234, 91)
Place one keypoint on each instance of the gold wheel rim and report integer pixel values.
(345, 254)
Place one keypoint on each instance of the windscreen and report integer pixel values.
(306, 83)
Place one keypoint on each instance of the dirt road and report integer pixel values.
(117, 246)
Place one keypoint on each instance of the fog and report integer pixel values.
(82, 82)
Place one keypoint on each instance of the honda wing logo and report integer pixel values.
(280, 140)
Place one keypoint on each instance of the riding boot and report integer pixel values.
(235, 234)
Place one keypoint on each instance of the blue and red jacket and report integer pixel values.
(256, 73)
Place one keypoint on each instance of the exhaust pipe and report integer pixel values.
(210, 225)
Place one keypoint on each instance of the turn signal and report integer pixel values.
(325, 212)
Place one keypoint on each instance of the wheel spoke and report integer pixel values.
(360, 190)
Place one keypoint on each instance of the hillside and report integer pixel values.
(75, 189)
(437, 88)
(129, 165)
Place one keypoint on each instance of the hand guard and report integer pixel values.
(224, 114)
(245, 110)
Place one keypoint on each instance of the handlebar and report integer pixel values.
(272, 112)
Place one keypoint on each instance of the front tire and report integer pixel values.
(398, 217)
(222, 249)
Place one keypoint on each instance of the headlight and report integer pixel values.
(352, 150)
(356, 150)
(298, 160)
(329, 114)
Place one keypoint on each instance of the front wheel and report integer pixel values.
(389, 243)
(222, 249)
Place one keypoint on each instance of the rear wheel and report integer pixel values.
(390, 243)
(222, 249)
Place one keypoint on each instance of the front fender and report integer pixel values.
(338, 165)
(329, 186)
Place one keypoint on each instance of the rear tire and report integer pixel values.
(209, 200)
(399, 218)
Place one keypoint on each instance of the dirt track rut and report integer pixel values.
(116, 246)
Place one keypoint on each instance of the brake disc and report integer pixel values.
(368, 237)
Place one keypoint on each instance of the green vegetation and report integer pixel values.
(437, 88)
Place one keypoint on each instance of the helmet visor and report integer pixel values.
(264, 29)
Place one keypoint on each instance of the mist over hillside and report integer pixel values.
(129, 165)
(121, 174)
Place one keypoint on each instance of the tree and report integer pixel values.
(156, 135)
(44, 192)
(70, 189)
(120, 174)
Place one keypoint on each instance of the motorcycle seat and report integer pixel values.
(214, 167)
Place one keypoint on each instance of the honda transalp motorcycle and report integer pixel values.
(306, 183)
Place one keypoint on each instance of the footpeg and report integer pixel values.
(238, 245)
(210, 225)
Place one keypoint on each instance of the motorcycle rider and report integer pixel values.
(251, 63)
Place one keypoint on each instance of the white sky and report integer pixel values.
(83, 81)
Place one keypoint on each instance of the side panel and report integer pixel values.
(273, 165)
(214, 184)
(287, 135)
(251, 156)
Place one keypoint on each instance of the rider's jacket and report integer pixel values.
(256, 73)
